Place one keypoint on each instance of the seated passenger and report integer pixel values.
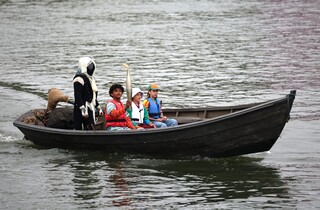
(116, 115)
(153, 106)
(138, 113)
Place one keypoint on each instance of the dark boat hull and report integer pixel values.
(250, 130)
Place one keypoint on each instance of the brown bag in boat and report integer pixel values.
(61, 118)
(30, 120)
(54, 97)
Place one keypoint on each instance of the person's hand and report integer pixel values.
(100, 111)
(128, 104)
(138, 127)
(152, 125)
(84, 112)
(162, 119)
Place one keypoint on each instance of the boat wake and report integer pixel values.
(4, 138)
(23, 88)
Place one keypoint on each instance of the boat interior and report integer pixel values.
(182, 115)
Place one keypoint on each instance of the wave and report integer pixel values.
(23, 88)
(4, 138)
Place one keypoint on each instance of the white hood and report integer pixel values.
(84, 63)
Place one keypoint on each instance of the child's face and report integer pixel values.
(117, 93)
(137, 97)
(153, 93)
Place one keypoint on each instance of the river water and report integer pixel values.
(201, 53)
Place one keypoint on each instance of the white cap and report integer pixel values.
(135, 91)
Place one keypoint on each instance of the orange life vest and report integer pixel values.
(120, 121)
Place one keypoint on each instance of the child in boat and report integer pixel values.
(116, 115)
(153, 106)
(138, 113)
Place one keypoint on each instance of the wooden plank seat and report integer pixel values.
(184, 120)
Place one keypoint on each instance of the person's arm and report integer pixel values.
(146, 104)
(129, 123)
(158, 119)
(79, 102)
(78, 88)
(98, 105)
(129, 113)
(146, 117)
(113, 112)
(117, 113)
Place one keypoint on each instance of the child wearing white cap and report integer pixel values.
(137, 112)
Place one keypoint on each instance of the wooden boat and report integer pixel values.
(209, 132)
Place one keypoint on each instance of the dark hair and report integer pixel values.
(115, 86)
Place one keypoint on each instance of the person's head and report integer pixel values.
(116, 91)
(137, 94)
(87, 66)
(153, 90)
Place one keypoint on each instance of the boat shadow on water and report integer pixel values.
(135, 180)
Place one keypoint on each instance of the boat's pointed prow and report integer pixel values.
(291, 96)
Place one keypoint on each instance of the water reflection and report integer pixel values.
(222, 179)
(86, 182)
(132, 180)
(122, 196)
(94, 177)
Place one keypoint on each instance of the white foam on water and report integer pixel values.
(4, 138)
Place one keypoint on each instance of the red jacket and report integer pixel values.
(118, 117)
